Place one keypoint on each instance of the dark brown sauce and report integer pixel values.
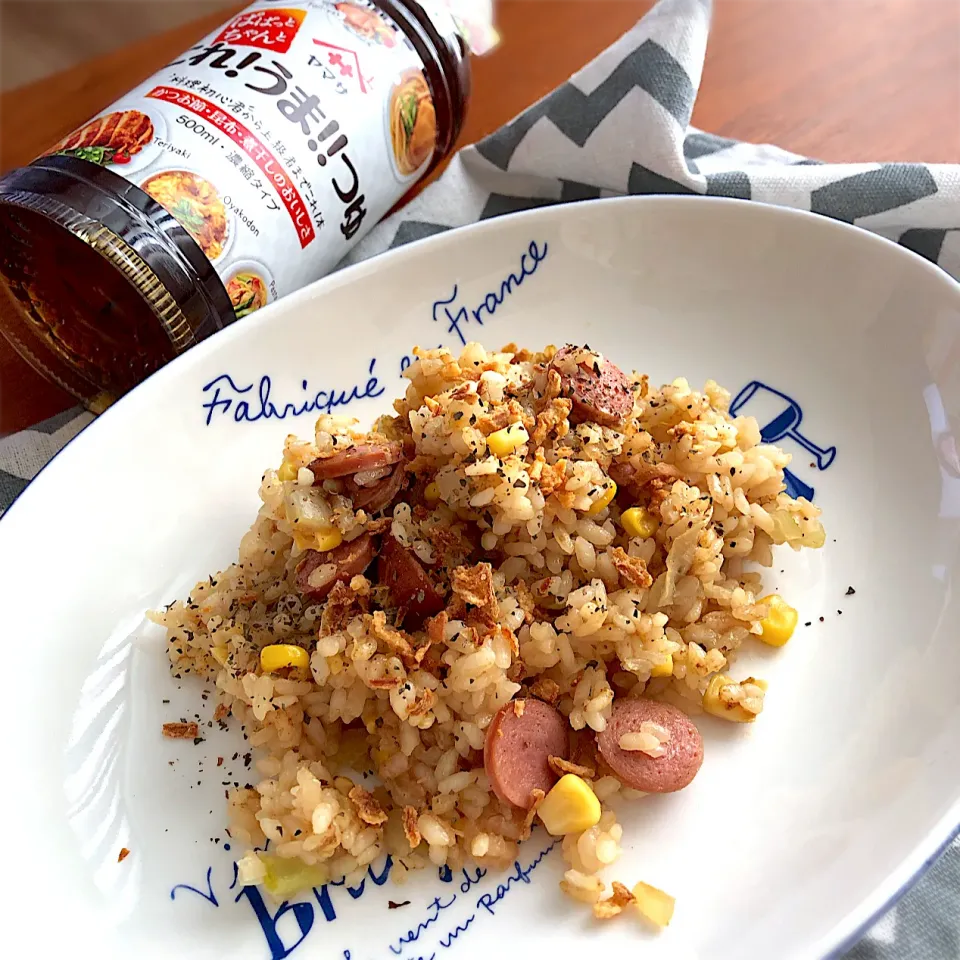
(76, 305)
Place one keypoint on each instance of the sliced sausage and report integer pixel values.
(633, 477)
(411, 588)
(520, 740)
(602, 392)
(683, 751)
(364, 456)
(380, 494)
(345, 562)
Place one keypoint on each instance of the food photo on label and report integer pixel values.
(413, 122)
(366, 23)
(114, 138)
(250, 286)
(196, 205)
(283, 136)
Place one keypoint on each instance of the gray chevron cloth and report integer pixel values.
(621, 126)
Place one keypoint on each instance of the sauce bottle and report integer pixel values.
(236, 174)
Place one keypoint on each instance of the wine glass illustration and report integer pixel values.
(779, 416)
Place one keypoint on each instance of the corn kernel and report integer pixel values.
(503, 442)
(718, 707)
(304, 541)
(279, 655)
(328, 540)
(664, 668)
(777, 627)
(654, 904)
(609, 492)
(431, 492)
(286, 876)
(570, 807)
(815, 538)
(639, 522)
(287, 471)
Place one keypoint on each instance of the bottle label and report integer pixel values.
(277, 141)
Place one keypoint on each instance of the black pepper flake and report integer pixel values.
(733, 543)
(197, 740)
(839, 613)
(164, 701)
(733, 471)
(820, 619)
(396, 906)
(850, 592)
(808, 623)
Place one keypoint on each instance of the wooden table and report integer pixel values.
(853, 80)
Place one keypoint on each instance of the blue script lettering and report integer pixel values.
(209, 896)
(489, 900)
(322, 894)
(453, 934)
(471, 880)
(302, 913)
(412, 936)
(455, 315)
(223, 394)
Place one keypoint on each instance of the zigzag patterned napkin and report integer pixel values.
(619, 126)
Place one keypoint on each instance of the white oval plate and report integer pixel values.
(798, 830)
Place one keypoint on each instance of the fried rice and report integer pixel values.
(512, 499)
